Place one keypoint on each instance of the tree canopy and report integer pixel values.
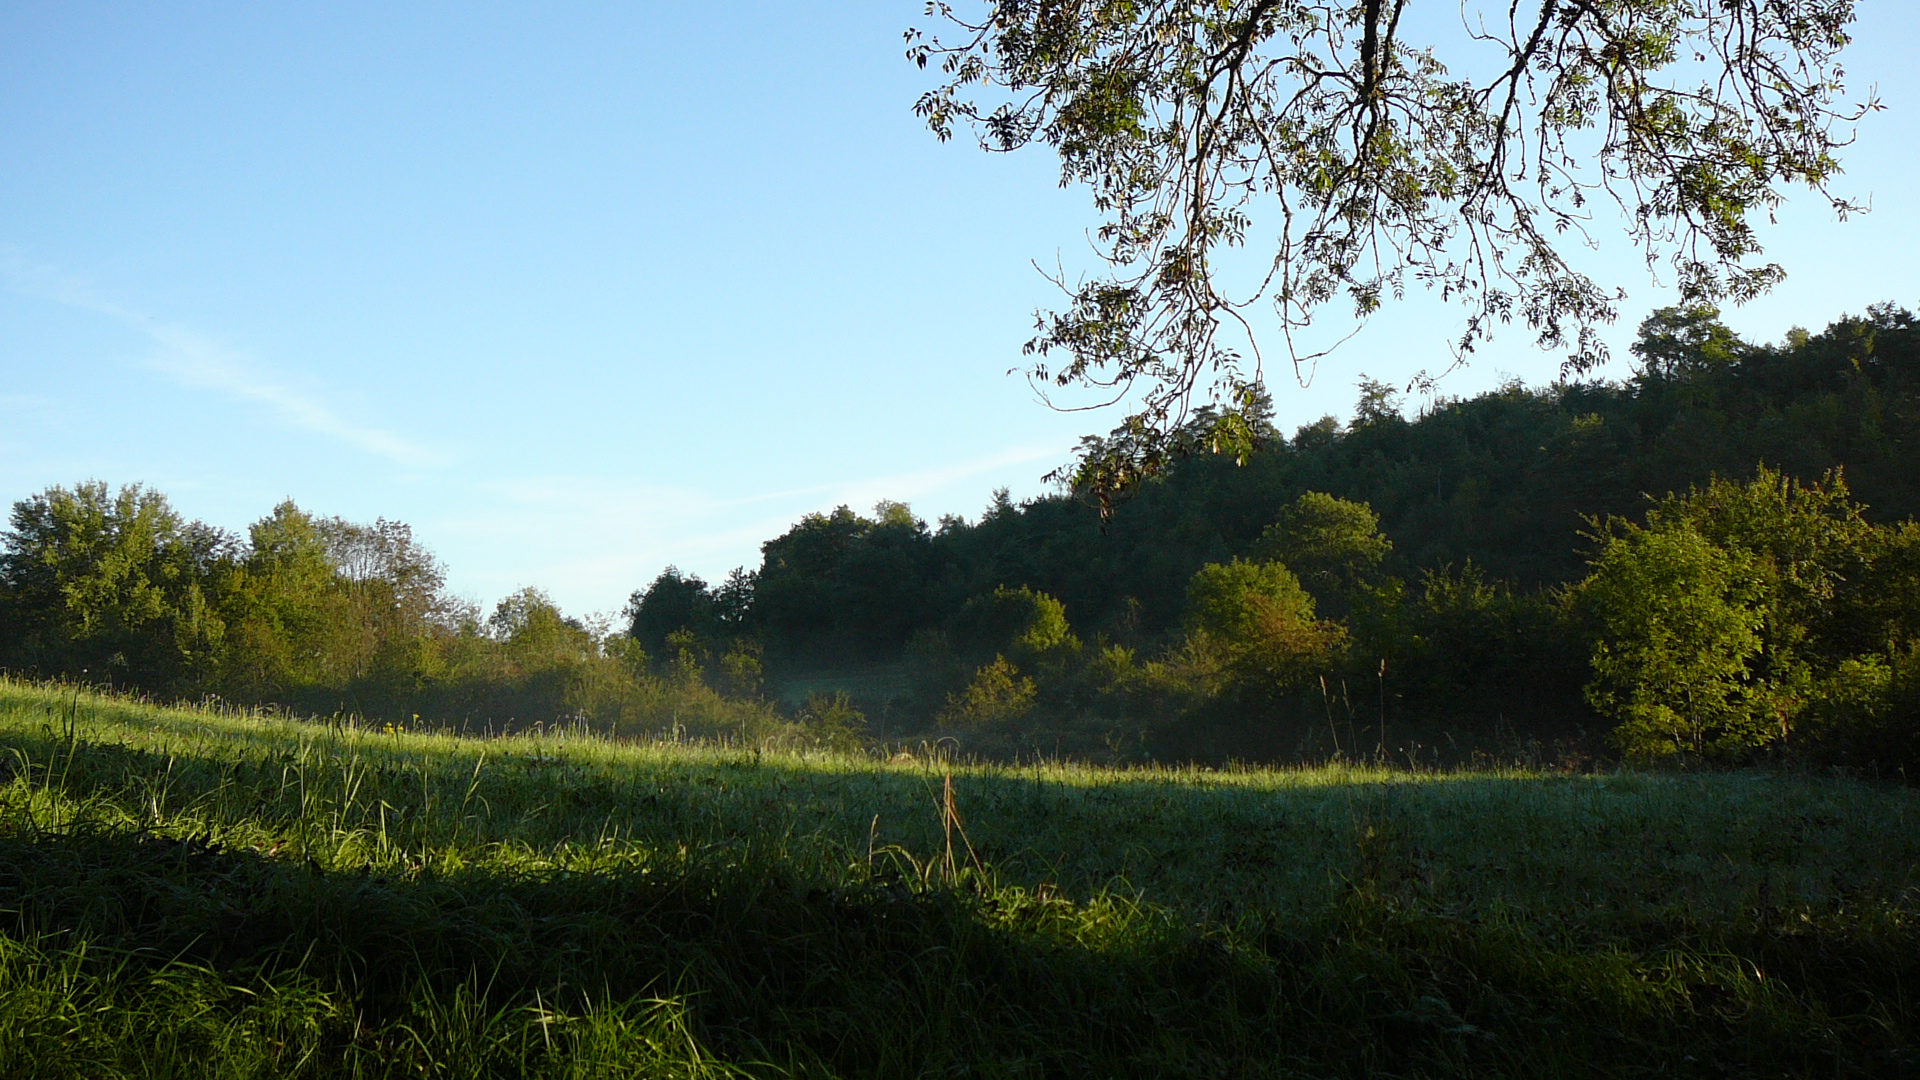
(1352, 158)
(1487, 573)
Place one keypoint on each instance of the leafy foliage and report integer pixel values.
(1014, 621)
(114, 583)
(1257, 624)
(1682, 624)
(329, 617)
(997, 696)
(1726, 616)
(1398, 586)
(1334, 545)
(1354, 162)
(848, 587)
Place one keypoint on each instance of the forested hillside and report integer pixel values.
(1504, 481)
(1713, 554)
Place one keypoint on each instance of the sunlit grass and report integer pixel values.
(345, 900)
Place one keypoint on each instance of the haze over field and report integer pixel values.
(578, 293)
(525, 556)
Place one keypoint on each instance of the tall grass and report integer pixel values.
(197, 892)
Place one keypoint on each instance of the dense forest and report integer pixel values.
(1714, 558)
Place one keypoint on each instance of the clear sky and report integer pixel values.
(578, 290)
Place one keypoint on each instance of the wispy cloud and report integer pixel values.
(196, 360)
(204, 362)
(598, 537)
(611, 505)
(27, 404)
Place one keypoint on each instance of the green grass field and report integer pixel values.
(195, 894)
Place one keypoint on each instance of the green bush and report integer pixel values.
(1017, 622)
(1764, 613)
(1251, 628)
(997, 696)
(1681, 622)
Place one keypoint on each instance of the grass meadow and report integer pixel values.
(207, 893)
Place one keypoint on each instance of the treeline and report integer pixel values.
(1437, 561)
(1505, 481)
(322, 616)
(1488, 573)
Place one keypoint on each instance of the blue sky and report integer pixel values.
(578, 290)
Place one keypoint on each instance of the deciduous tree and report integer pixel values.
(113, 582)
(1355, 156)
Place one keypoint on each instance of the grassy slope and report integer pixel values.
(185, 893)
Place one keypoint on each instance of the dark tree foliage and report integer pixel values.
(1505, 481)
(1715, 558)
(840, 589)
(674, 602)
(1008, 622)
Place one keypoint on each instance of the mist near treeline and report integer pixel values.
(1712, 560)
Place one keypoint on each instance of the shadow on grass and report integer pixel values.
(825, 971)
(1597, 855)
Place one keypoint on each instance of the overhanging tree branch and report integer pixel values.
(1200, 124)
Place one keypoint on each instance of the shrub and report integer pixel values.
(1735, 610)
(1681, 621)
(831, 721)
(1333, 544)
(1017, 622)
(1254, 624)
(997, 696)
